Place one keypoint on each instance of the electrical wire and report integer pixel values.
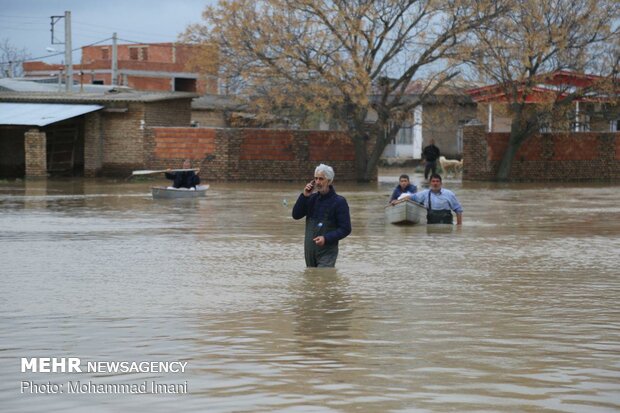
(55, 54)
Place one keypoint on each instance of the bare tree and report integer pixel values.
(342, 57)
(11, 59)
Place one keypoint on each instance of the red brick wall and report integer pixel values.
(183, 143)
(333, 146)
(576, 147)
(531, 149)
(149, 83)
(544, 157)
(251, 154)
(265, 144)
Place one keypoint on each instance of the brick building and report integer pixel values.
(149, 66)
(45, 134)
(596, 110)
(57, 134)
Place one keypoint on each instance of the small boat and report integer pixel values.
(405, 212)
(167, 192)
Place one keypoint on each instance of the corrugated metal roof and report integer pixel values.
(41, 114)
(118, 96)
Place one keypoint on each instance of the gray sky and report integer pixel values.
(26, 23)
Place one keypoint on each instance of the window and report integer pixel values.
(614, 125)
(138, 53)
(105, 53)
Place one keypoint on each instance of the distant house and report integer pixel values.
(148, 66)
(440, 118)
(596, 110)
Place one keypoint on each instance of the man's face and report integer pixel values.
(186, 164)
(404, 182)
(435, 184)
(321, 183)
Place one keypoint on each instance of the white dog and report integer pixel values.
(450, 165)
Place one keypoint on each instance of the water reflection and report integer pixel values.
(514, 311)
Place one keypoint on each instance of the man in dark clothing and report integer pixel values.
(327, 218)
(403, 187)
(430, 154)
(184, 179)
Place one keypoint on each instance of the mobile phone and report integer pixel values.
(311, 186)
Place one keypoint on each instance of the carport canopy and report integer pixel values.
(41, 114)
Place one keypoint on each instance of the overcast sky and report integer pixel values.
(26, 23)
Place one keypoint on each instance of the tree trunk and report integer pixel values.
(361, 156)
(514, 143)
(521, 126)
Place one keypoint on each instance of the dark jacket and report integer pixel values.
(431, 153)
(398, 191)
(187, 179)
(332, 205)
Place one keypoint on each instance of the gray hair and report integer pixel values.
(327, 170)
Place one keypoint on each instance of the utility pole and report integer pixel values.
(68, 60)
(114, 60)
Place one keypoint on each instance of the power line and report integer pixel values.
(56, 54)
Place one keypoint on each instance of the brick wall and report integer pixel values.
(209, 118)
(126, 143)
(544, 157)
(150, 83)
(251, 154)
(123, 140)
(35, 143)
(93, 144)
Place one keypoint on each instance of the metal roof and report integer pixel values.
(117, 95)
(41, 114)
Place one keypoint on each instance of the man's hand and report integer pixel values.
(308, 188)
(320, 240)
(197, 171)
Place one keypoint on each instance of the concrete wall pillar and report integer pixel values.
(35, 151)
(93, 145)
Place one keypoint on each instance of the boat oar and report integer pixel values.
(149, 171)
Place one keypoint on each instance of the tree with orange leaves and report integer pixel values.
(346, 58)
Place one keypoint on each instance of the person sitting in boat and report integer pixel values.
(185, 179)
(403, 189)
(439, 203)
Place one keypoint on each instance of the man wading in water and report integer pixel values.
(439, 203)
(327, 218)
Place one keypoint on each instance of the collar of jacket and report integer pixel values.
(329, 193)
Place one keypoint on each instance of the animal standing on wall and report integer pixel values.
(450, 165)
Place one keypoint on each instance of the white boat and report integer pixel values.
(167, 192)
(405, 212)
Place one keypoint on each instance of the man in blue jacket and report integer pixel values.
(403, 187)
(327, 218)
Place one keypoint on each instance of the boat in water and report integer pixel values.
(405, 212)
(168, 192)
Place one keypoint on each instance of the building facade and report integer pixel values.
(148, 66)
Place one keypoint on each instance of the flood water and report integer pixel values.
(515, 311)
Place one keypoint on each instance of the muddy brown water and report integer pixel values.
(517, 310)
